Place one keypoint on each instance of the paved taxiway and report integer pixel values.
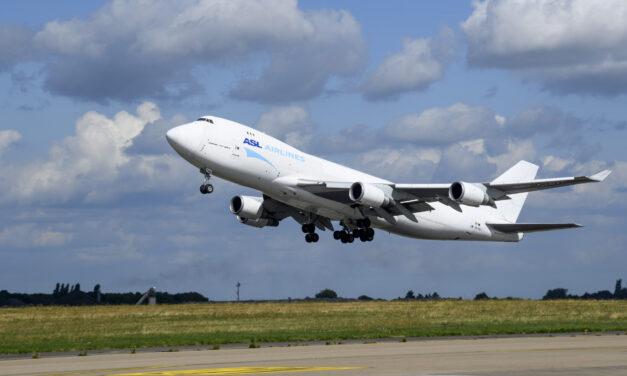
(576, 355)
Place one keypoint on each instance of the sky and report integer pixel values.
(414, 92)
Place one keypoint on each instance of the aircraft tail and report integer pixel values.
(520, 172)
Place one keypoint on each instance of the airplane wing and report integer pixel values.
(338, 191)
(410, 193)
(539, 184)
(530, 227)
(411, 198)
(406, 199)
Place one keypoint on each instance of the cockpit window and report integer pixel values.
(205, 119)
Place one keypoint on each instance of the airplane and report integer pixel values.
(316, 192)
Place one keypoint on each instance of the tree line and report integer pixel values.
(72, 295)
(620, 292)
(66, 294)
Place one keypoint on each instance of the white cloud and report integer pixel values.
(553, 163)
(409, 163)
(516, 150)
(567, 46)
(444, 125)
(31, 234)
(500, 119)
(540, 118)
(420, 63)
(93, 165)
(289, 123)
(130, 49)
(8, 137)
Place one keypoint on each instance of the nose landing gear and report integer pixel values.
(206, 188)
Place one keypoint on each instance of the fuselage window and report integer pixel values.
(207, 120)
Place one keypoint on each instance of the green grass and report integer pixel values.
(41, 329)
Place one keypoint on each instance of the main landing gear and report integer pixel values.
(206, 188)
(363, 232)
(311, 236)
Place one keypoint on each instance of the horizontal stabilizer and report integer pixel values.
(530, 227)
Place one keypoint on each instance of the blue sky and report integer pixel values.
(411, 91)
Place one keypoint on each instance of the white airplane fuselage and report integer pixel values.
(251, 158)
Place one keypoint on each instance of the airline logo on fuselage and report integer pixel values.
(275, 150)
(252, 142)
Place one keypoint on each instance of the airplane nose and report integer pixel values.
(175, 137)
(184, 139)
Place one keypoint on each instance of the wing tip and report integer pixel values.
(600, 176)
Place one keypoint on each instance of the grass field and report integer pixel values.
(40, 329)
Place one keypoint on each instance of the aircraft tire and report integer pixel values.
(363, 237)
(350, 238)
(370, 238)
(370, 232)
(366, 222)
(337, 235)
(202, 189)
(208, 188)
(315, 237)
(308, 238)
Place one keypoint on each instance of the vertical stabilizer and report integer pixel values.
(522, 171)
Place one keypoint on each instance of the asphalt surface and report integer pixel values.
(562, 355)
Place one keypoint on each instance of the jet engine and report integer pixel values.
(249, 211)
(368, 194)
(468, 194)
(248, 207)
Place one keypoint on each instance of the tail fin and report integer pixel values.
(520, 172)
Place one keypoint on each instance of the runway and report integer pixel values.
(562, 355)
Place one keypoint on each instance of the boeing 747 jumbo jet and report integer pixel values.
(315, 192)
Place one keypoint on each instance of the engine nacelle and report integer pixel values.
(259, 222)
(368, 194)
(247, 207)
(468, 194)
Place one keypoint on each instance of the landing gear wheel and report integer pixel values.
(363, 237)
(206, 188)
(308, 228)
(366, 222)
(343, 237)
(370, 232)
(350, 238)
(370, 238)
(337, 235)
(315, 237)
(308, 238)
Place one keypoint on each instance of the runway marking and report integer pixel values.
(236, 371)
(110, 370)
